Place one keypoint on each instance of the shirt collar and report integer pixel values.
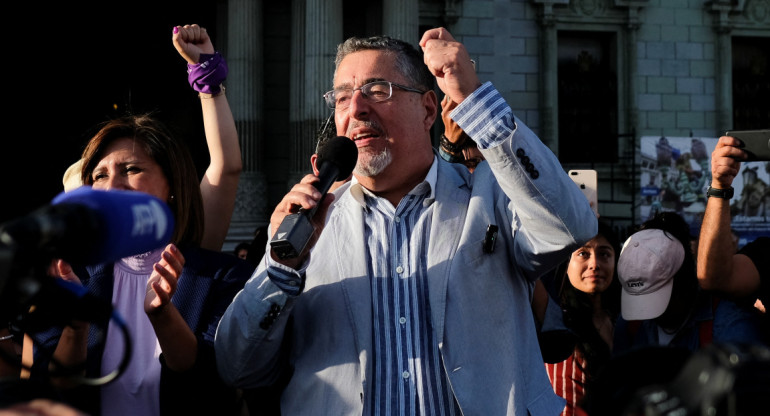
(358, 191)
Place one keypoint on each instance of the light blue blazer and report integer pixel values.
(479, 302)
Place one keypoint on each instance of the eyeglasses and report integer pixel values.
(376, 91)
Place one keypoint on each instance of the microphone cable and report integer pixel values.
(107, 378)
(74, 373)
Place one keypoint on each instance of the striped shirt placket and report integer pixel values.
(409, 378)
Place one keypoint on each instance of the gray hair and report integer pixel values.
(409, 60)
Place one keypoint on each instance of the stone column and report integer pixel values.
(631, 61)
(319, 27)
(723, 51)
(298, 163)
(401, 20)
(724, 79)
(245, 92)
(549, 96)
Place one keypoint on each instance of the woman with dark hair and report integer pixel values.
(589, 296)
(182, 288)
(141, 145)
(171, 298)
(207, 71)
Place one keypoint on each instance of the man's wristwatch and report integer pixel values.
(720, 193)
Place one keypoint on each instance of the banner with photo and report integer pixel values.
(675, 173)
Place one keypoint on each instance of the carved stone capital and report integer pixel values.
(624, 12)
(589, 7)
(251, 198)
(758, 11)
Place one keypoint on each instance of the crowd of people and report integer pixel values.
(473, 278)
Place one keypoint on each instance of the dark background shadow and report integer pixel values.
(71, 66)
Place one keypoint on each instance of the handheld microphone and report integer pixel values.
(336, 161)
(87, 226)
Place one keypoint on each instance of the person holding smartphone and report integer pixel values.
(745, 274)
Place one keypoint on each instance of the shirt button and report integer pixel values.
(397, 219)
(402, 320)
(405, 375)
(399, 269)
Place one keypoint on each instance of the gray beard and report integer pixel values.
(373, 165)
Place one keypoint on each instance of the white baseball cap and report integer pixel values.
(71, 178)
(647, 264)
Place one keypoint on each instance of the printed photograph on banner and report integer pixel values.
(675, 173)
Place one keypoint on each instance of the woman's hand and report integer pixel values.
(162, 282)
(62, 269)
(191, 41)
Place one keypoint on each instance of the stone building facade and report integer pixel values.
(590, 77)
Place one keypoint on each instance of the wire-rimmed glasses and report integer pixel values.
(376, 91)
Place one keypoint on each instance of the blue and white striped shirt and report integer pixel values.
(409, 376)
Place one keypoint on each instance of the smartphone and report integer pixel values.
(756, 143)
(586, 180)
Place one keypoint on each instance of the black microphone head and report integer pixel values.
(342, 152)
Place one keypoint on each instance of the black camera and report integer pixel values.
(718, 380)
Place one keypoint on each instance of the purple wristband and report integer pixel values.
(208, 75)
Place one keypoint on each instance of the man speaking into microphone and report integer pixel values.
(395, 306)
(335, 163)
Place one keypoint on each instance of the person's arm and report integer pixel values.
(719, 268)
(249, 335)
(540, 299)
(73, 345)
(176, 339)
(220, 181)
(27, 356)
(72, 349)
(41, 407)
(453, 139)
(553, 217)
(9, 349)
(219, 185)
